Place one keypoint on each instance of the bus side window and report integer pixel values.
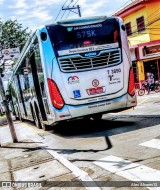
(42, 88)
(40, 76)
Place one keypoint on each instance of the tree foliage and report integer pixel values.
(13, 35)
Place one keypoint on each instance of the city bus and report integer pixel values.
(79, 68)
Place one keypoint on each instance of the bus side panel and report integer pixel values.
(51, 71)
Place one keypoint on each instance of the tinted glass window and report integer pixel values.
(70, 37)
(128, 29)
(140, 24)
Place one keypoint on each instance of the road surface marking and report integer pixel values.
(154, 143)
(141, 102)
(80, 174)
(129, 170)
(37, 131)
(25, 132)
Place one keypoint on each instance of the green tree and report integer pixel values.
(13, 34)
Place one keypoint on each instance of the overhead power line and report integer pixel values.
(125, 4)
(152, 28)
(69, 6)
(65, 10)
(150, 17)
(136, 31)
(70, 10)
(61, 10)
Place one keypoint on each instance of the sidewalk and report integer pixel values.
(3, 120)
(31, 160)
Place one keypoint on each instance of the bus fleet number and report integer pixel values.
(113, 71)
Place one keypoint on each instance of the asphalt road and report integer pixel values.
(121, 147)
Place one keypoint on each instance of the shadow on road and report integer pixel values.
(87, 128)
(68, 151)
(105, 127)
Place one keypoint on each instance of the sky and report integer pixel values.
(34, 13)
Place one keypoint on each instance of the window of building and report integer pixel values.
(140, 24)
(128, 28)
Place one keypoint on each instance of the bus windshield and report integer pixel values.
(84, 36)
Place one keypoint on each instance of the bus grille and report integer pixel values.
(79, 63)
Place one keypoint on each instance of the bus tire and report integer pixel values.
(97, 116)
(141, 92)
(43, 126)
(38, 119)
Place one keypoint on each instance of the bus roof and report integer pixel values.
(84, 20)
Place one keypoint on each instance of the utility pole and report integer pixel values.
(8, 114)
(72, 8)
(5, 102)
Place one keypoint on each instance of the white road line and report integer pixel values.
(129, 170)
(154, 143)
(80, 174)
(83, 176)
(141, 102)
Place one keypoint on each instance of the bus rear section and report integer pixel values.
(91, 73)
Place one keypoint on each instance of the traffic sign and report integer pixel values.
(11, 53)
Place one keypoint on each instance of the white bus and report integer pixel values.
(71, 69)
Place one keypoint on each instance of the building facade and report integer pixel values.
(142, 22)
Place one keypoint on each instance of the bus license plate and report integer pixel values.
(93, 91)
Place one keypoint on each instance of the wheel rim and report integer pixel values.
(141, 92)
